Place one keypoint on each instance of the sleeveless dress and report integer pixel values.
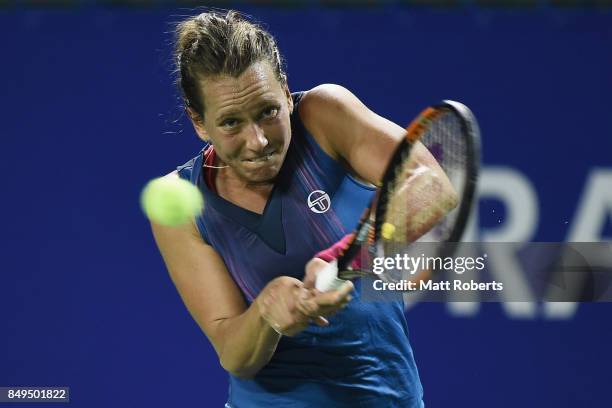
(363, 358)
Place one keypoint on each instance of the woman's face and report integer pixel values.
(247, 120)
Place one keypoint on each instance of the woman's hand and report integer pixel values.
(289, 305)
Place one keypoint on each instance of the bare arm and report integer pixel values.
(352, 134)
(215, 302)
(242, 335)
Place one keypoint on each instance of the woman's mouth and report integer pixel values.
(259, 160)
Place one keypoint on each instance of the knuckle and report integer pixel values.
(311, 308)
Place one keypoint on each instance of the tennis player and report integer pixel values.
(284, 176)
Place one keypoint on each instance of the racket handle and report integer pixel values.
(327, 278)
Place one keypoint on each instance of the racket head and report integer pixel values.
(450, 132)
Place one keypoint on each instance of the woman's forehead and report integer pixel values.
(255, 85)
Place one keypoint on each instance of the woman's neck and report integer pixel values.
(250, 196)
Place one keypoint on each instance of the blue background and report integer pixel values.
(89, 114)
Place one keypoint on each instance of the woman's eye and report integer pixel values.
(229, 123)
(270, 113)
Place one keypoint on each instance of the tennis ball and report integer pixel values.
(387, 230)
(171, 201)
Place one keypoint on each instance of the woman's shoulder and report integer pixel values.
(318, 110)
(322, 97)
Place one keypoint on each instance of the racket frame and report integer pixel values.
(369, 227)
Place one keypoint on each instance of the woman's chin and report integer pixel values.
(260, 171)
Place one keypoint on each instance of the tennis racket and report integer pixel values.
(450, 132)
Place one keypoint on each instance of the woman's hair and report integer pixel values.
(220, 43)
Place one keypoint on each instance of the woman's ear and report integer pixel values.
(198, 124)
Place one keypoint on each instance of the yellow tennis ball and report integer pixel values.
(387, 230)
(171, 201)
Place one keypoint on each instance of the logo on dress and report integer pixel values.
(318, 201)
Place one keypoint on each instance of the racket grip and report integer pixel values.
(327, 278)
(334, 251)
(338, 249)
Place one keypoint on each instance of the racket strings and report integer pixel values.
(387, 227)
(411, 203)
(450, 152)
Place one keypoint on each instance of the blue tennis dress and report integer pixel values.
(363, 358)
